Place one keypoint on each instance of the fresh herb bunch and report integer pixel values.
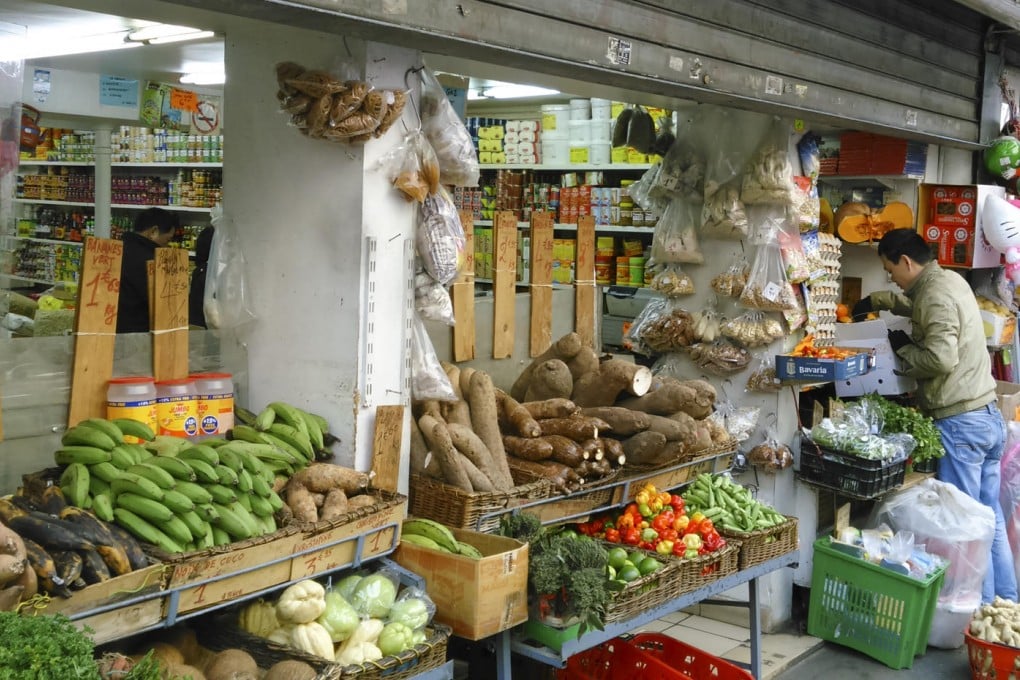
(522, 526)
(44, 648)
(899, 418)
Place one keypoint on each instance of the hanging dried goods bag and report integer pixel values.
(675, 238)
(768, 177)
(641, 131)
(455, 151)
(767, 286)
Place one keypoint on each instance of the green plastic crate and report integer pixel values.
(866, 607)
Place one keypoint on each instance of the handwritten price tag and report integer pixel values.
(185, 100)
(100, 288)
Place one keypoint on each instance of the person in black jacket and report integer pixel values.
(153, 228)
(196, 298)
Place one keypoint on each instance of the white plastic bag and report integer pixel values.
(428, 379)
(226, 301)
(953, 526)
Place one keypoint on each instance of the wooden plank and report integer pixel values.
(170, 314)
(150, 280)
(584, 281)
(95, 328)
(504, 289)
(1, 418)
(389, 429)
(541, 282)
(339, 544)
(463, 294)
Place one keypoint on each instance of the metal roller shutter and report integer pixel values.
(910, 67)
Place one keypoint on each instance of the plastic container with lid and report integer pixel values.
(556, 121)
(177, 408)
(133, 397)
(215, 393)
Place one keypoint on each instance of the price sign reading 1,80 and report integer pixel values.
(101, 276)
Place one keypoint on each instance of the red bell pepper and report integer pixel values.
(631, 536)
(612, 535)
(677, 503)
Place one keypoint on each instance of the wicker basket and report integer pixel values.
(598, 493)
(761, 546)
(220, 632)
(432, 499)
(651, 590)
(699, 571)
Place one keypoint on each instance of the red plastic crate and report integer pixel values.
(618, 659)
(689, 662)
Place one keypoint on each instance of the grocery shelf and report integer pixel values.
(54, 241)
(564, 167)
(510, 641)
(154, 164)
(50, 163)
(573, 227)
(145, 206)
(42, 201)
(520, 284)
(31, 280)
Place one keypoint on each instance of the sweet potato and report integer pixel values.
(438, 438)
(549, 380)
(602, 387)
(564, 450)
(479, 482)
(513, 416)
(474, 449)
(576, 427)
(562, 477)
(481, 397)
(550, 408)
(645, 448)
(334, 506)
(563, 349)
(622, 421)
(527, 448)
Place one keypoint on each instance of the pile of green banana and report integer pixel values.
(68, 547)
(430, 534)
(289, 428)
(177, 495)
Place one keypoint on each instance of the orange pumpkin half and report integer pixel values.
(857, 226)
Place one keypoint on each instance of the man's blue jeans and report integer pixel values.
(974, 443)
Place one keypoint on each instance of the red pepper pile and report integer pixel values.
(657, 521)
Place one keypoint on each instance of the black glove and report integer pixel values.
(899, 339)
(862, 309)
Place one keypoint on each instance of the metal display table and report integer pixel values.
(509, 642)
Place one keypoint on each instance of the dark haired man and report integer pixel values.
(153, 228)
(946, 353)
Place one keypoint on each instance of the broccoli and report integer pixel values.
(522, 526)
(584, 553)
(546, 572)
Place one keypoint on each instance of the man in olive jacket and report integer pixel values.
(153, 228)
(946, 353)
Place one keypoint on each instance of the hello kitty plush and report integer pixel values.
(1001, 223)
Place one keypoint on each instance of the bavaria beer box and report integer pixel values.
(812, 369)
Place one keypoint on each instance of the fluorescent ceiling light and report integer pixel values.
(39, 46)
(509, 91)
(180, 37)
(204, 78)
(160, 31)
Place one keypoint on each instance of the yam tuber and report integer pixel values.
(12, 556)
(673, 430)
(456, 412)
(422, 461)
(479, 481)
(549, 380)
(563, 349)
(565, 450)
(428, 407)
(318, 499)
(645, 448)
(465, 380)
(602, 387)
(577, 427)
(438, 438)
(513, 416)
(585, 361)
(453, 373)
(623, 421)
(550, 408)
(474, 449)
(10, 596)
(301, 503)
(334, 506)
(481, 397)
(614, 451)
(562, 477)
(527, 448)
(705, 398)
(324, 477)
(361, 501)
(593, 449)
(669, 398)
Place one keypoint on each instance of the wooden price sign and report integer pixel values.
(95, 328)
(504, 288)
(541, 282)
(170, 287)
(389, 433)
(584, 281)
(463, 294)
(339, 544)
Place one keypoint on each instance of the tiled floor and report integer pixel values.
(731, 641)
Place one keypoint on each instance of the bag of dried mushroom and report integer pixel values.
(675, 238)
(458, 162)
(767, 286)
(768, 177)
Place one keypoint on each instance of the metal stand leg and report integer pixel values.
(502, 641)
(754, 614)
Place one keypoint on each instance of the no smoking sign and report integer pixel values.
(205, 119)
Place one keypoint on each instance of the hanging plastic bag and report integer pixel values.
(771, 455)
(795, 262)
(412, 167)
(753, 329)
(226, 301)
(458, 163)
(672, 281)
(440, 238)
(953, 526)
(769, 174)
(431, 299)
(641, 131)
(739, 422)
(731, 282)
(806, 207)
(428, 379)
(675, 238)
(723, 215)
(707, 323)
(647, 193)
(763, 378)
(721, 357)
(662, 326)
(682, 171)
(767, 287)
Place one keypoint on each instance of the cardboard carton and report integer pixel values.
(1008, 397)
(949, 217)
(882, 378)
(477, 598)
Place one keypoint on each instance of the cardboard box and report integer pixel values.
(950, 219)
(477, 598)
(999, 329)
(882, 377)
(1008, 398)
(820, 370)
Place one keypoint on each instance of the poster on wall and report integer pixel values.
(175, 108)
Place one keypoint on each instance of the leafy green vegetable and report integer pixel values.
(44, 648)
(899, 418)
(523, 526)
